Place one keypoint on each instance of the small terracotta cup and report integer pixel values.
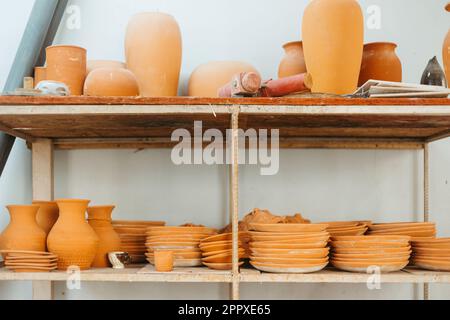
(164, 261)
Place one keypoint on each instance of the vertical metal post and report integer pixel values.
(426, 202)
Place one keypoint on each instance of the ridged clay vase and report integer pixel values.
(293, 62)
(333, 37)
(380, 62)
(99, 218)
(446, 51)
(72, 239)
(40, 74)
(111, 82)
(96, 64)
(153, 50)
(47, 215)
(23, 232)
(67, 64)
(207, 79)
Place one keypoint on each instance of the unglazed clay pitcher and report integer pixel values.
(47, 215)
(99, 218)
(380, 62)
(67, 64)
(153, 53)
(446, 51)
(23, 232)
(333, 36)
(72, 239)
(110, 82)
(294, 61)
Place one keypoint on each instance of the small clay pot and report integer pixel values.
(433, 74)
(40, 74)
(97, 64)
(163, 261)
(293, 62)
(47, 215)
(111, 82)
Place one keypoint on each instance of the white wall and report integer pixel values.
(322, 184)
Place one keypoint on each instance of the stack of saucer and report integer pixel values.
(30, 261)
(415, 230)
(347, 228)
(217, 250)
(432, 254)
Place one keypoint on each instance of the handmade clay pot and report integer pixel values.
(111, 82)
(333, 35)
(99, 219)
(23, 232)
(446, 51)
(207, 79)
(67, 64)
(72, 239)
(163, 261)
(380, 62)
(294, 61)
(47, 215)
(40, 74)
(96, 64)
(433, 75)
(153, 53)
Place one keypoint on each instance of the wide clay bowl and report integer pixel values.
(288, 268)
(221, 258)
(204, 230)
(289, 238)
(284, 253)
(387, 238)
(365, 244)
(281, 245)
(288, 227)
(363, 256)
(431, 265)
(398, 250)
(364, 267)
(432, 258)
(221, 266)
(224, 237)
(383, 226)
(171, 246)
(241, 251)
(217, 246)
(275, 259)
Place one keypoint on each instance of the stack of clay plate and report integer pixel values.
(217, 250)
(359, 253)
(347, 228)
(289, 248)
(30, 261)
(182, 241)
(432, 254)
(413, 229)
(132, 235)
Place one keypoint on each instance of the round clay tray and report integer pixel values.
(221, 258)
(31, 269)
(25, 252)
(290, 234)
(347, 228)
(276, 259)
(19, 256)
(223, 237)
(278, 245)
(362, 267)
(381, 226)
(322, 252)
(213, 253)
(432, 265)
(203, 230)
(372, 261)
(171, 247)
(432, 252)
(172, 244)
(177, 236)
(418, 228)
(339, 224)
(348, 233)
(289, 238)
(430, 241)
(216, 246)
(288, 227)
(386, 238)
(283, 268)
(347, 256)
(399, 250)
(444, 246)
(30, 264)
(432, 258)
(30, 260)
(408, 233)
(221, 266)
(360, 245)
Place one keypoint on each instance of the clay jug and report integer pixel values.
(40, 74)
(47, 215)
(293, 62)
(72, 239)
(67, 64)
(446, 51)
(333, 36)
(99, 218)
(433, 75)
(111, 82)
(96, 64)
(380, 62)
(153, 53)
(207, 79)
(23, 232)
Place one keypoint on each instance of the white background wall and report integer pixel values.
(322, 184)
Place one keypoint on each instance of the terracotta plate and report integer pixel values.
(432, 265)
(288, 227)
(365, 244)
(224, 237)
(283, 268)
(203, 230)
(384, 226)
(355, 256)
(281, 245)
(288, 239)
(275, 259)
(221, 266)
(229, 251)
(313, 252)
(363, 267)
(399, 250)
(386, 238)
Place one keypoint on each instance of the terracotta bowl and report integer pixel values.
(359, 232)
(229, 251)
(217, 246)
(224, 237)
(357, 244)
(383, 226)
(296, 254)
(288, 268)
(290, 227)
(221, 266)
(203, 230)
(275, 259)
(432, 265)
(399, 250)
(402, 256)
(432, 252)
(288, 238)
(386, 238)
(282, 245)
(220, 258)
(363, 267)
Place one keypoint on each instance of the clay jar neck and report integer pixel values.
(381, 46)
(73, 210)
(294, 47)
(100, 216)
(46, 205)
(23, 215)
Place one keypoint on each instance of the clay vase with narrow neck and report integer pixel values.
(333, 36)
(23, 232)
(99, 218)
(47, 215)
(380, 62)
(294, 61)
(153, 53)
(446, 51)
(72, 239)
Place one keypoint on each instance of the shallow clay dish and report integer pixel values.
(221, 266)
(399, 250)
(288, 238)
(25, 252)
(365, 257)
(362, 267)
(280, 245)
(432, 252)
(287, 268)
(321, 252)
(193, 236)
(221, 258)
(31, 269)
(218, 246)
(275, 259)
(288, 227)
(223, 237)
(386, 238)
(203, 230)
(213, 253)
(384, 226)
(432, 265)
(365, 244)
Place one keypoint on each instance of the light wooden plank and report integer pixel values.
(42, 290)
(42, 169)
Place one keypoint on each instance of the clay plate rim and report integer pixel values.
(288, 227)
(221, 266)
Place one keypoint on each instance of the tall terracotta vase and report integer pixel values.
(153, 53)
(72, 238)
(333, 36)
(380, 62)
(23, 232)
(99, 218)
(47, 215)
(446, 51)
(294, 61)
(67, 64)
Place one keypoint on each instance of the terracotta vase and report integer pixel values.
(111, 82)
(96, 64)
(99, 218)
(23, 232)
(207, 79)
(163, 261)
(333, 36)
(446, 51)
(40, 74)
(433, 75)
(47, 215)
(293, 62)
(380, 62)
(67, 64)
(153, 53)
(72, 239)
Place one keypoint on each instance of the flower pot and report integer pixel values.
(380, 62)
(333, 35)
(163, 261)
(110, 82)
(207, 79)
(96, 64)
(23, 232)
(446, 51)
(99, 219)
(72, 239)
(153, 53)
(40, 74)
(293, 62)
(47, 215)
(67, 64)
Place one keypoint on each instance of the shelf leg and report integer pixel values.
(42, 176)
(426, 202)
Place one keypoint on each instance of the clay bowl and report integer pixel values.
(221, 258)
(280, 245)
(396, 225)
(288, 238)
(289, 227)
(241, 251)
(372, 244)
(432, 252)
(181, 263)
(387, 238)
(224, 237)
(399, 250)
(275, 259)
(171, 246)
(180, 255)
(221, 266)
(174, 243)
(313, 253)
(431, 265)
(363, 256)
(288, 268)
(362, 267)
(217, 246)
(196, 237)
(432, 258)
(358, 232)
(204, 230)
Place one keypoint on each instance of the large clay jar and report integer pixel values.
(207, 79)
(294, 61)
(153, 53)
(380, 62)
(111, 82)
(446, 51)
(97, 64)
(99, 219)
(67, 64)
(72, 239)
(333, 36)
(47, 215)
(23, 232)
(40, 74)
